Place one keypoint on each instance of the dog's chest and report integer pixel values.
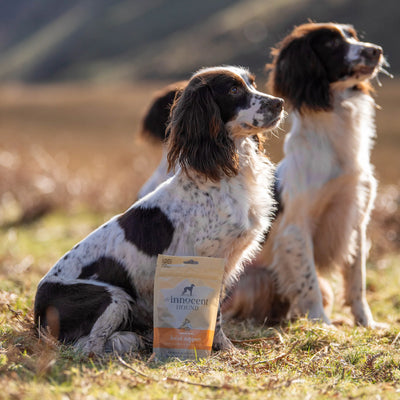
(310, 162)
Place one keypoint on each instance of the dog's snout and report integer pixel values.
(272, 104)
(372, 52)
(277, 104)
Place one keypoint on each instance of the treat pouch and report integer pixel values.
(186, 299)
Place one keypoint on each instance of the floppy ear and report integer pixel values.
(198, 139)
(155, 121)
(298, 76)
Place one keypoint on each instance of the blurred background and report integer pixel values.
(77, 76)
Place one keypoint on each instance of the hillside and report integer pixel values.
(166, 39)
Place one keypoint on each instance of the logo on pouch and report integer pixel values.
(188, 290)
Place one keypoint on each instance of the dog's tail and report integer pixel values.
(156, 118)
(254, 297)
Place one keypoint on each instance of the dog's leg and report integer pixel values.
(117, 313)
(294, 269)
(355, 283)
(221, 342)
(81, 311)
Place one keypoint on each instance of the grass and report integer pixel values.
(56, 188)
(295, 361)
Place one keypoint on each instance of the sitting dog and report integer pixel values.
(99, 295)
(325, 181)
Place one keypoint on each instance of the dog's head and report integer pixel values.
(317, 58)
(218, 105)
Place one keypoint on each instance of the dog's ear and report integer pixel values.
(198, 139)
(298, 75)
(155, 121)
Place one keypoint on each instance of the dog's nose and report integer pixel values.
(372, 52)
(277, 104)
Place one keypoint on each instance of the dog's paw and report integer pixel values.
(376, 325)
(221, 342)
(363, 316)
(123, 342)
(90, 346)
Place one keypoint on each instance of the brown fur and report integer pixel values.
(193, 119)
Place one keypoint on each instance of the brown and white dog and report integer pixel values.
(99, 295)
(325, 181)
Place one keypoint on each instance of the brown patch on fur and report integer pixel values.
(53, 321)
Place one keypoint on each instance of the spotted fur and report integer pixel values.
(100, 294)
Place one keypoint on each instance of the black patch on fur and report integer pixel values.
(78, 307)
(331, 48)
(109, 270)
(276, 194)
(156, 119)
(149, 229)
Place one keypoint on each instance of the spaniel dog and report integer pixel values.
(325, 181)
(99, 295)
(154, 126)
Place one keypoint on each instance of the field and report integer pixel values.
(71, 157)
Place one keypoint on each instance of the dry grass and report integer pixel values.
(69, 159)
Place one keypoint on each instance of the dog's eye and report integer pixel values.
(234, 90)
(333, 43)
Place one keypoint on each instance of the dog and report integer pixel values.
(99, 295)
(154, 126)
(325, 181)
(188, 289)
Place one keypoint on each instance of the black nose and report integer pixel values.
(372, 52)
(276, 104)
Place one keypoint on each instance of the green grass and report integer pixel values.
(296, 361)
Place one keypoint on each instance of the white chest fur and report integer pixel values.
(324, 145)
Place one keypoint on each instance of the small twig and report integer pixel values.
(133, 369)
(283, 355)
(174, 379)
(395, 339)
(16, 314)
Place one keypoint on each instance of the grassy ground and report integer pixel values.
(68, 161)
(295, 361)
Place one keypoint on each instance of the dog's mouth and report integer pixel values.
(264, 125)
(267, 117)
(369, 64)
(363, 71)
(277, 120)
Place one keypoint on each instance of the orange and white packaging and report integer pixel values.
(186, 299)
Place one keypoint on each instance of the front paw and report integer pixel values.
(221, 342)
(363, 316)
